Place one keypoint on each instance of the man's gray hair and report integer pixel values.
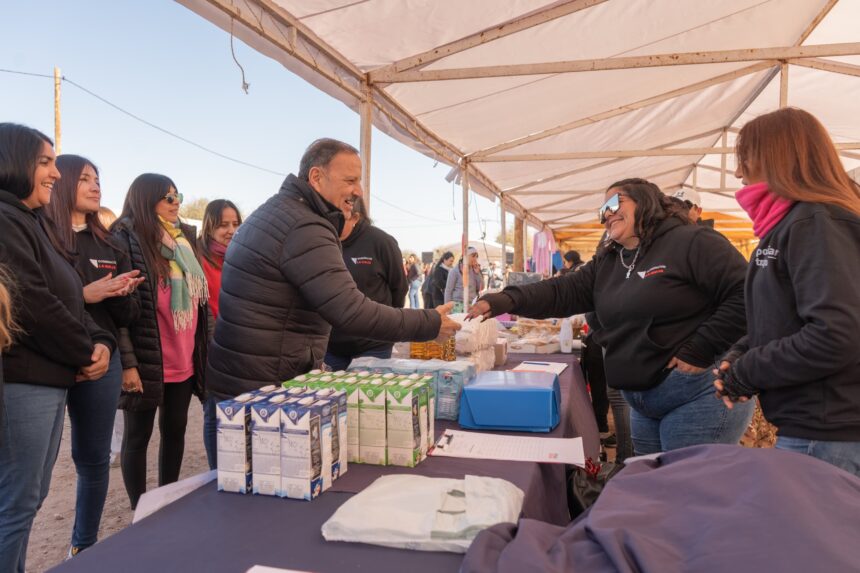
(320, 153)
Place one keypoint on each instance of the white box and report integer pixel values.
(327, 424)
(301, 450)
(343, 437)
(266, 445)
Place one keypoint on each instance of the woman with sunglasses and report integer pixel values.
(164, 355)
(803, 302)
(109, 283)
(221, 220)
(56, 344)
(669, 297)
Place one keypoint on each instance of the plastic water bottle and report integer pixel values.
(565, 336)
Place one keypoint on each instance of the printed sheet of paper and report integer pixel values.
(539, 366)
(477, 445)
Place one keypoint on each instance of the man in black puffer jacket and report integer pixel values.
(284, 284)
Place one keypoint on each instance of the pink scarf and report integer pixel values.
(765, 208)
(217, 249)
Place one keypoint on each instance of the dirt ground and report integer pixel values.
(52, 530)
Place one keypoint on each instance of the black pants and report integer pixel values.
(592, 368)
(172, 419)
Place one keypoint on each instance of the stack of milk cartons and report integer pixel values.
(445, 378)
(233, 441)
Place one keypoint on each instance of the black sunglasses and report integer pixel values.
(171, 199)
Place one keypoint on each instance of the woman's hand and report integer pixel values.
(105, 287)
(480, 308)
(100, 363)
(131, 380)
(684, 367)
(448, 327)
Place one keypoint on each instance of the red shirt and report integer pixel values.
(213, 279)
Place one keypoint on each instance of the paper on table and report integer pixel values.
(477, 445)
(265, 569)
(540, 366)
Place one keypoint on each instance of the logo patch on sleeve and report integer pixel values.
(362, 260)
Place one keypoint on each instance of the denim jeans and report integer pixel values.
(92, 409)
(684, 410)
(845, 455)
(32, 428)
(415, 293)
(337, 362)
(210, 430)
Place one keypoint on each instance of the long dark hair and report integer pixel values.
(138, 214)
(63, 200)
(797, 158)
(19, 151)
(652, 208)
(211, 220)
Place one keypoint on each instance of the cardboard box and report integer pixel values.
(516, 401)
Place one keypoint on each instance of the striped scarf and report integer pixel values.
(187, 281)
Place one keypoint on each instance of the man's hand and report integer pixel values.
(728, 397)
(100, 363)
(448, 327)
(131, 380)
(682, 366)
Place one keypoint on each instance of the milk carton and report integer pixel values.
(429, 381)
(301, 449)
(233, 421)
(340, 397)
(350, 387)
(328, 438)
(403, 424)
(266, 444)
(420, 388)
(371, 422)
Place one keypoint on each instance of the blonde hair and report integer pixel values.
(7, 326)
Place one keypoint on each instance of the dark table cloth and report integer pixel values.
(211, 531)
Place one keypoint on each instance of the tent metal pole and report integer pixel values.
(366, 115)
(465, 247)
(725, 142)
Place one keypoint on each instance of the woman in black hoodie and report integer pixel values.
(58, 344)
(669, 297)
(803, 301)
(109, 283)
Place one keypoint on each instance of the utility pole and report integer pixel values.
(57, 131)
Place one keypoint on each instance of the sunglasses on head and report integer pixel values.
(171, 199)
(609, 208)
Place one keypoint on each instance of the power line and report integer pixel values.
(190, 142)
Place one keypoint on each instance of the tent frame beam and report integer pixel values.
(483, 37)
(623, 63)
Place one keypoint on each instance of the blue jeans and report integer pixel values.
(92, 409)
(845, 455)
(210, 431)
(415, 293)
(684, 410)
(32, 428)
(336, 362)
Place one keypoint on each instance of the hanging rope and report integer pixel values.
(245, 85)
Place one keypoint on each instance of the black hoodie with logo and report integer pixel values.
(804, 324)
(374, 260)
(684, 297)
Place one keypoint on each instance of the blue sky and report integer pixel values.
(165, 64)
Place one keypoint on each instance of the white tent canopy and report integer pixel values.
(549, 102)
